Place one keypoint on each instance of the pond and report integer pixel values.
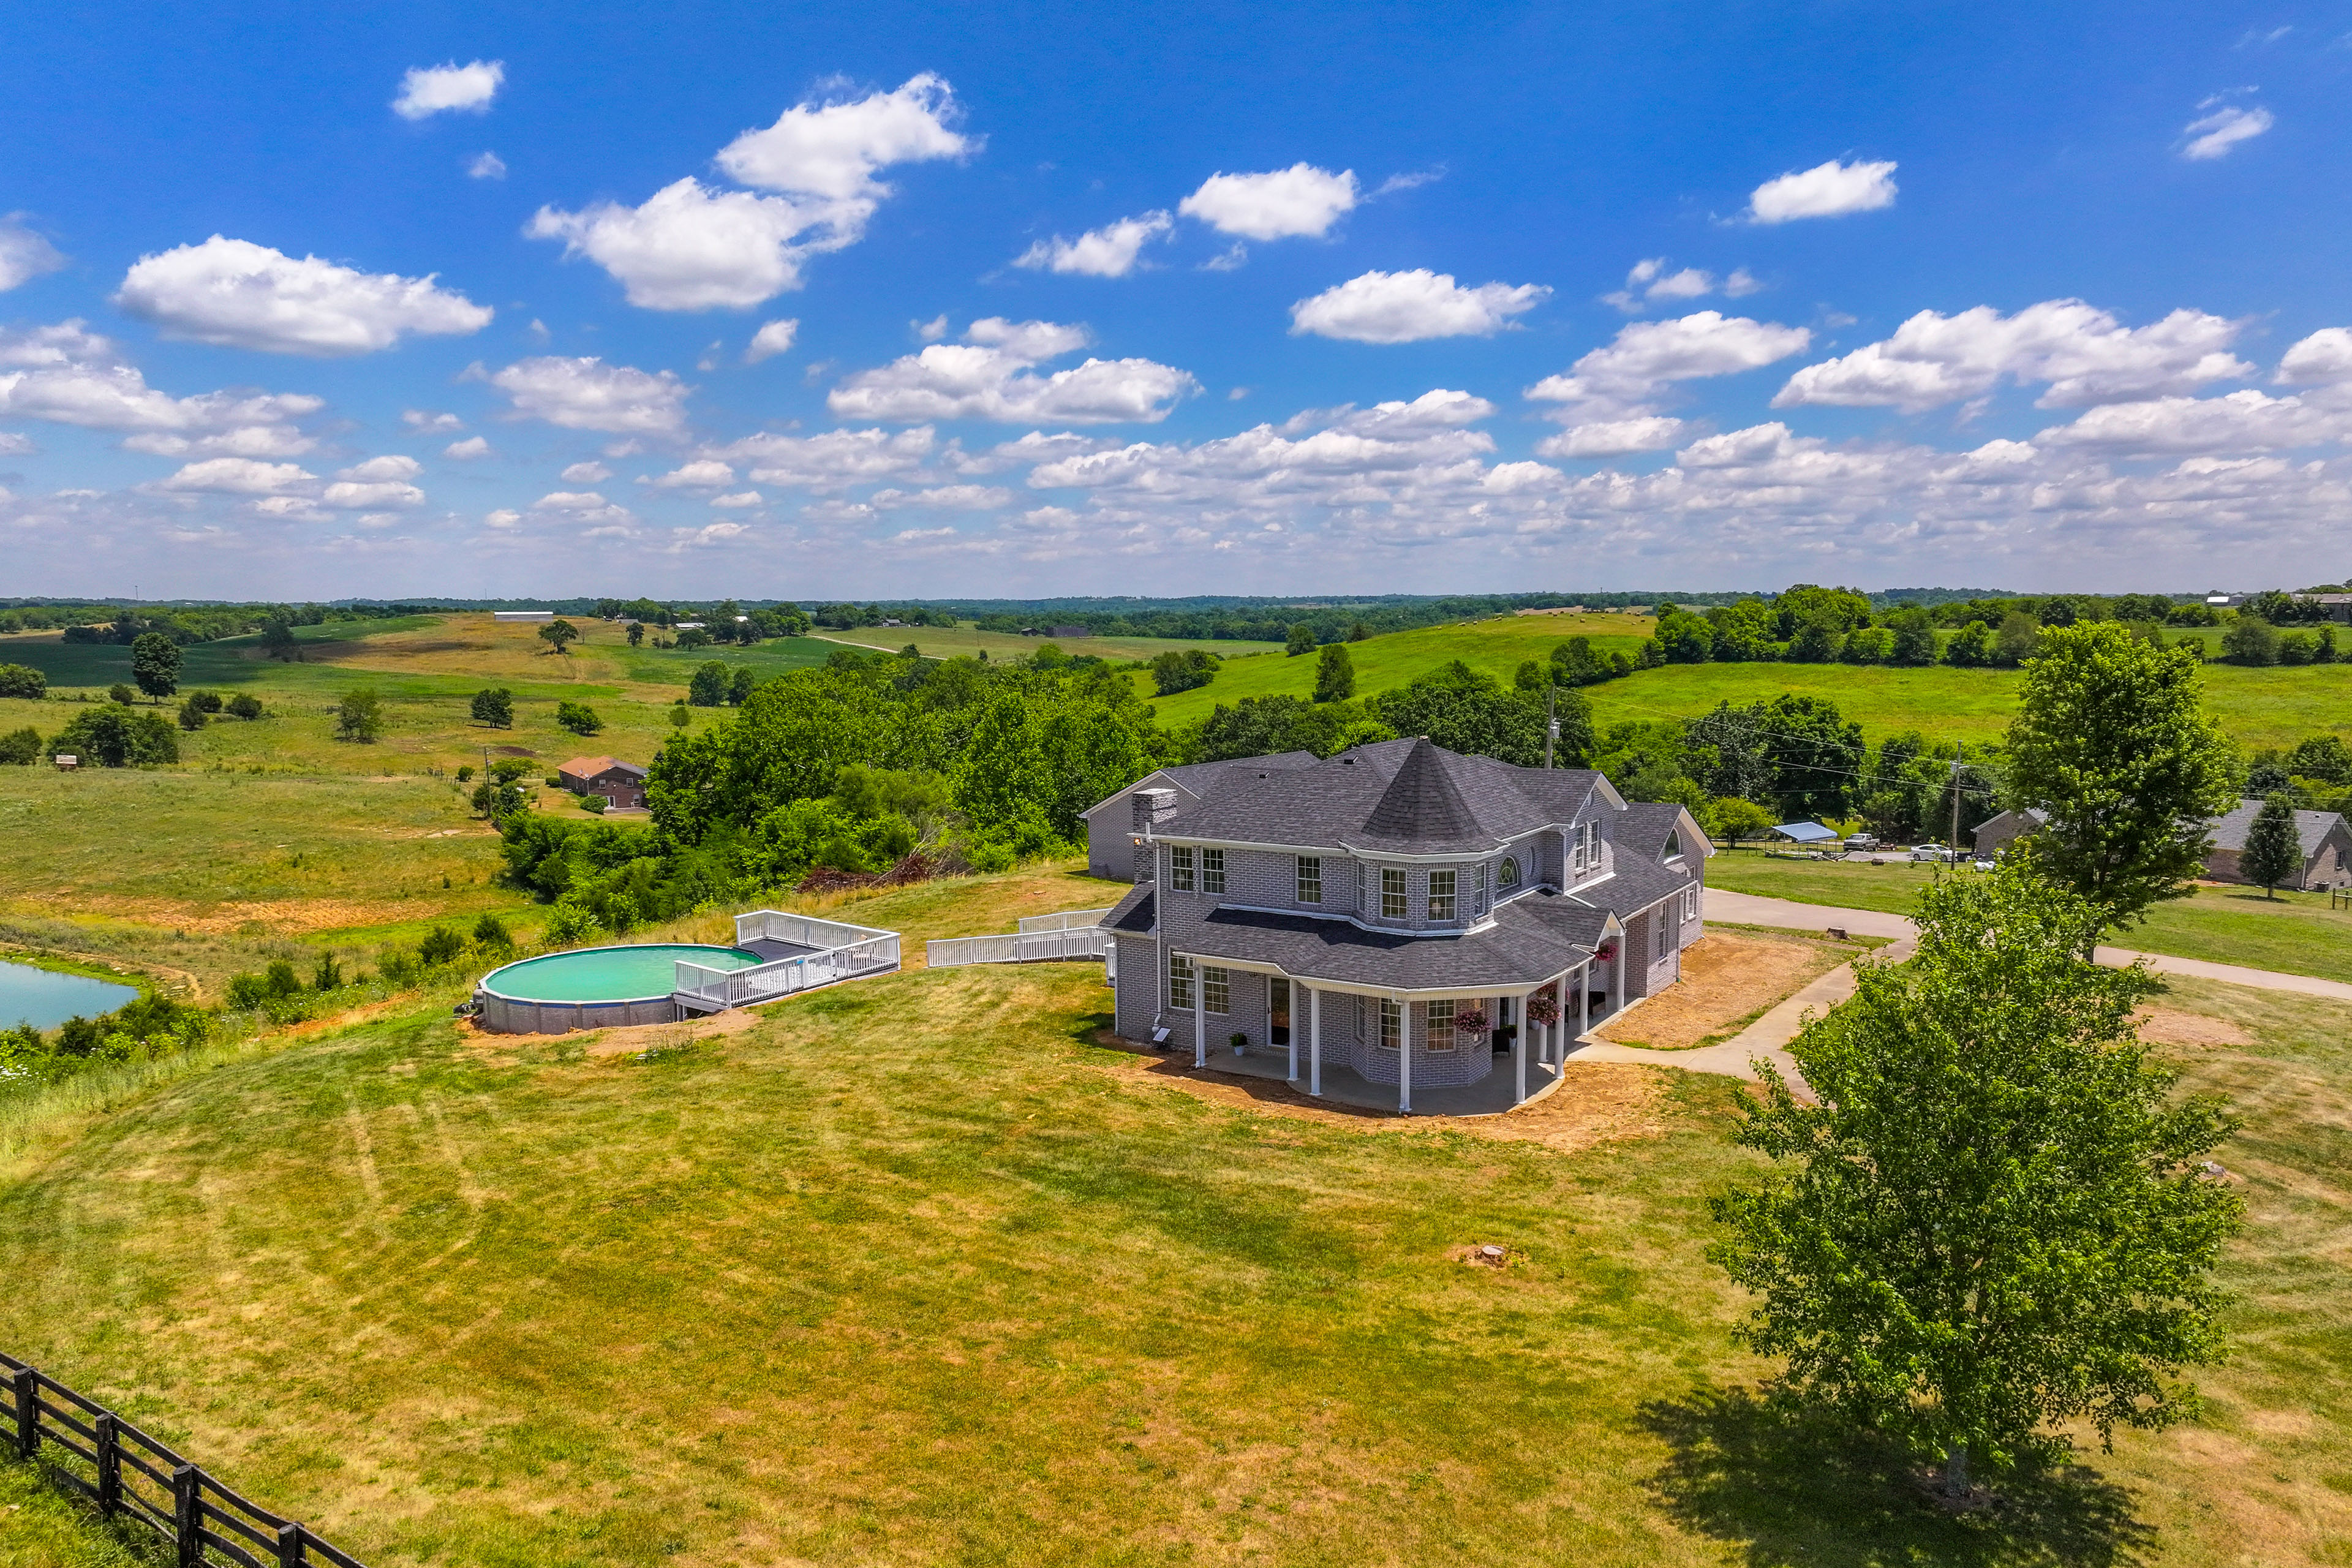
(46, 999)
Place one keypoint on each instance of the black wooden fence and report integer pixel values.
(128, 1473)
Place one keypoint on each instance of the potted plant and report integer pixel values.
(1471, 1020)
(1240, 1044)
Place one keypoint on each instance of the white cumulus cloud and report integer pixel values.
(2212, 135)
(392, 466)
(1282, 204)
(70, 375)
(242, 477)
(1616, 381)
(1613, 438)
(771, 340)
(1652, 282)
(24, 254)
(426, 422)
(2085, 353)
(1109, 251)
(1412, 307)
(241, 295)
(428, 91)
(588, 395)
(1826, 190)
(988, 375)
(835, 148)
(704, 473)
(472, 446)
(691, 246)
(589, 473)
(833, 460)
(486, 166)
(358, 494)
(2324, 356)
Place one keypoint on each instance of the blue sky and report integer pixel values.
(1242, 299)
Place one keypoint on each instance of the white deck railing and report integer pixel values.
(1068, 920)
(1072, 934)
(844, 952)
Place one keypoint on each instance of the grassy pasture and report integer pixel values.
(1496, 646)
(969, 642)
(2295, 933)
(916, 1271)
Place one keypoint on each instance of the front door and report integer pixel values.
(1278, 1011)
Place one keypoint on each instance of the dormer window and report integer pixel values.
(1674, 843)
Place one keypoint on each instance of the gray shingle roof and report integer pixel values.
(1134, 913)
(2311, 827)
(1204, 779)
(1404, 797)
(1532, 939)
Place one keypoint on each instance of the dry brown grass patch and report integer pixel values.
(2171, 1026)
(1728, 979)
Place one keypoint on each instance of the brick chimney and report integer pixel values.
(1151, 807)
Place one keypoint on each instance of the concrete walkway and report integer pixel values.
(1769, 1035)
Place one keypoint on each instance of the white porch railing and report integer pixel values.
(1072, 934)
(844, 952)
(1068, 920)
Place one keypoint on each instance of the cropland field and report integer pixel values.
(2294, 932)
(922, 1270)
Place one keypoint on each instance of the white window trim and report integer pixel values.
(1299, 879)
(1180, 876)
(1212, 870)
(1404, 893)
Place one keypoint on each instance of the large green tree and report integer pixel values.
(2273, 851)
(115, 737)
(1334, 674)
(155, 664)
(2111, 740)
(1994, 1218)
(1466, 710)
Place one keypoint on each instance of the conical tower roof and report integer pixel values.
(1422, 807)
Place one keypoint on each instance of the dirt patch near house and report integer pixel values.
(1729, 979)
(2170, 1026)
(1600, 1102)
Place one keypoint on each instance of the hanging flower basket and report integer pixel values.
(1543, 1007)
(1607, 953)
(1470, 1021)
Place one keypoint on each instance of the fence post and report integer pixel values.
(110, 1465)
(187, 1516)
(289, 1546)
(25, 1387)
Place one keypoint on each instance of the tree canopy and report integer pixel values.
(1994, 1220)
(155, 664)
(2273, 851)
(2111, 739)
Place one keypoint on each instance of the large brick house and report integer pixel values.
(2326, 848)
(1112, 851)
(1361, 905)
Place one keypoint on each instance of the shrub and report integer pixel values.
(491, 934)
(554, 781)
(709, 687)
(206, 701)
(329, 976)
(118, 692)
(595, 802)
(280, 980)
(192, 718)
(23, 680)
(571, 923)
(2250, 640)
(465, 774)
(248, 992)
(1183, 669)
(578, 718)
(244, 706)
(495, 707)
(20, 747)
(441, 945)
(115, 737)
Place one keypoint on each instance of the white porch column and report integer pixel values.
(1199, 1014)
(1404, 1057)
(1519, 1051)
(1293, 1028)
(1315, 1043)
(1585, 999)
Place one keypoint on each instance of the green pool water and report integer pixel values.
(609, 974)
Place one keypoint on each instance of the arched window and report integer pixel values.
(1674, 843)
(1506, 874)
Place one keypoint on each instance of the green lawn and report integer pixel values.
(912, 1271)
(2295, 933)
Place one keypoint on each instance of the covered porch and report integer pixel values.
(1420, 1057)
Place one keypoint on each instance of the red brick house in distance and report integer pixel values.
(623, 784)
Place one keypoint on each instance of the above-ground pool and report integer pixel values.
(595, 988)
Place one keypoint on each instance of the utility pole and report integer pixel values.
(1551, 722)
(1955, 844)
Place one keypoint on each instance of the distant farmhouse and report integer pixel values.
(2326, 843)
(623, 784)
